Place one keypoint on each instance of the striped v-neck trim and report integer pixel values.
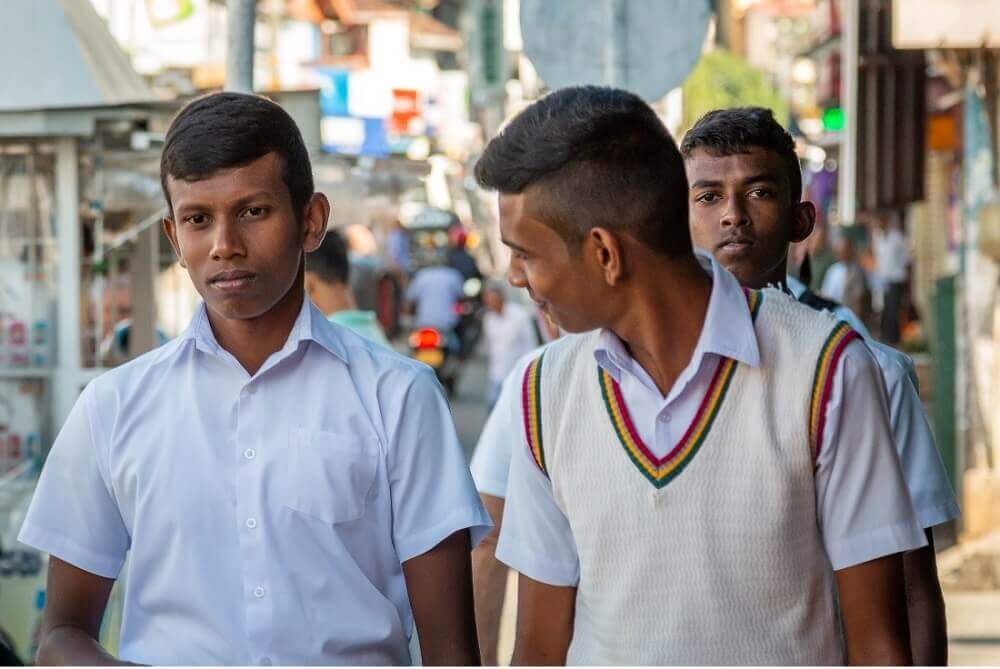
(661, 471)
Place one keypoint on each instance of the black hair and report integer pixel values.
(599, 157)
(225, 130)
(330, 261)
(725, 132)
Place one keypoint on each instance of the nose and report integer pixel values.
(735, 214)
(228, 242)
(515, 274)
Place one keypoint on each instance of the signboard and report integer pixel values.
(940, 24)
(645, 46)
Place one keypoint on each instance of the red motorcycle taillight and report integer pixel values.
(425, 338)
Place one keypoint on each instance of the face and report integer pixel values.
(563, 282)
(741, 213)
(237, 234)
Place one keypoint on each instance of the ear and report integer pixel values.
(803, 221)
(609, 253)
(314, 220)
(170, 230)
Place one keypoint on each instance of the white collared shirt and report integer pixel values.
(265, 518)
(863, 506)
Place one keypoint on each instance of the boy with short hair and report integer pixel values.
(668, 502)
(286, 491)
(746, 208)
(328, 273)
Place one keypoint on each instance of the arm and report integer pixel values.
(925, 603)
(865, 513)
(873, 611)
(489, 581)
(72, 618)
(439, 583)
(544, 623)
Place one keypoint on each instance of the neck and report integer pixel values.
(252, 340)
(331, 298)
(664, 317)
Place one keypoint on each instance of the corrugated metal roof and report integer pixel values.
(58, 54)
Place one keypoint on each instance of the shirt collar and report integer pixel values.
(310, 325)
(728, 330)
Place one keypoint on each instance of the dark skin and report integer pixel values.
(489, 581)
(610, 280)
(243, 245)
(747, 196)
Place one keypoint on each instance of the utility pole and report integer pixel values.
(240, 45)
(848, 187)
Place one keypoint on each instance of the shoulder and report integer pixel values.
(895, 365)
(130, 377)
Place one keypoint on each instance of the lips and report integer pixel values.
(233, 279)
(735, 244)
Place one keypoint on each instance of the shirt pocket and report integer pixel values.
(330, 475)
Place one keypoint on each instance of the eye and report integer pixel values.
(196, 220)
(760, 193)
(519, 255)
(254, 212)
(708, 198)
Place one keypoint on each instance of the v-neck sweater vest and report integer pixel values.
(711, 555)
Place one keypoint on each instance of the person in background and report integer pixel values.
(399, 248)
(891, 259)
(509, 333)
(459, 257)
(745, 175)
(285, 491)
(650, 523)
(432, 295)
(845, 282)
(327, 280)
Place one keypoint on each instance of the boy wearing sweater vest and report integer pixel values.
(708, 471)
(746, 208)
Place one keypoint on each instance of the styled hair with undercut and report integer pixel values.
(726, 132)
(225, 130)
(594, 157)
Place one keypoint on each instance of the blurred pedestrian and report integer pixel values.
(738, 151)
(286, 492)
(664, 477)
(327, 282)
(433, 295)
(508, 332)
(891, 260)
(459, 257)
(845, 282)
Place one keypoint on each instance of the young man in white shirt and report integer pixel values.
(652, 521)
(746, 208)
(286, 491)
(508, 333)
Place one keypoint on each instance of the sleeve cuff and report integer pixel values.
(889, 540)
(489, 485)
(538, 568)
(473, 518)
(931, 515)
(69, 551)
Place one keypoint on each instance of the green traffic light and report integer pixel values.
(833, 119)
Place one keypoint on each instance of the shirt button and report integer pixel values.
(258, 592)
(665, 418)
(251, 523)
(265, 662)
(250, 454)
(250, 390)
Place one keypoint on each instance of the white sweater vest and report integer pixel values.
(713, 555)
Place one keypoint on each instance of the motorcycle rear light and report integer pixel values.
(425, 338)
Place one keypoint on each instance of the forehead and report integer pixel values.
(703, 165)
(260, 175)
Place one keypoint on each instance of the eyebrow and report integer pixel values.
(754, 179)
(241, 202)
(506, 242)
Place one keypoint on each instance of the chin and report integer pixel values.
(237, 309)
